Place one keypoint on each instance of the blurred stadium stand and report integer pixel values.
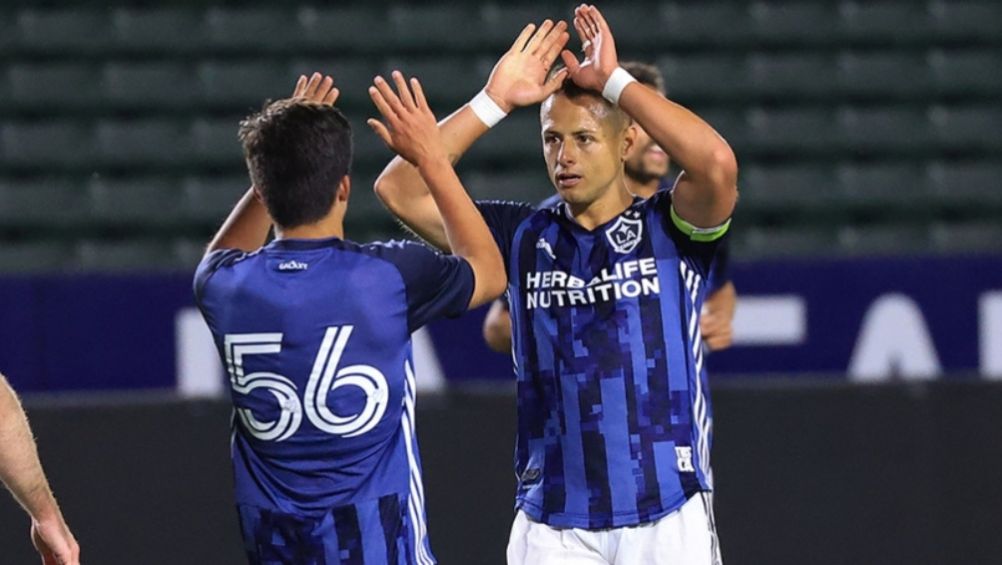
(874, 122)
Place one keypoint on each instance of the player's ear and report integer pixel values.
(257, 194)
(629, 140)
(344, 189)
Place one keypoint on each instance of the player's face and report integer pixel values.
(583, 147)
(647, 161)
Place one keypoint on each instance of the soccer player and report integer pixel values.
(22, 472)
(605, 292)
(314, 331)
(646, 170)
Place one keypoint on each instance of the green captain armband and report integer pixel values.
(699, 234)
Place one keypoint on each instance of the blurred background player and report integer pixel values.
(646, 169)
(606, 289)
(315, 331)
(21, 472)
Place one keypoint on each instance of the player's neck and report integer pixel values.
(611, 204)
(330, 226)
(642, 189)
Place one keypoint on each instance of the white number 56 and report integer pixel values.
(324, 378)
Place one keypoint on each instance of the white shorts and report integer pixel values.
(684, 537)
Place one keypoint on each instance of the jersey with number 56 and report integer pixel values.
(315, 337)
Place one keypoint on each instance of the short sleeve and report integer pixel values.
(437, 285)
(700, 244)
(208, 267)
(503, 219)
(720, 268)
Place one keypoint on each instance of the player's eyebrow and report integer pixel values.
(578, 131)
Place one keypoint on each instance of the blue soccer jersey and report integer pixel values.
(315, 336)
(613, 402)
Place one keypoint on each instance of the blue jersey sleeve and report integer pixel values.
(700, 244)
(720, 269)
(437, 285)
(503, 219)
(208, 267)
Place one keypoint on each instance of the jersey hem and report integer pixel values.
(600, 521)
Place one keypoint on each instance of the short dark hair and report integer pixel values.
(645, 73)
(297, 152)
(571, 90)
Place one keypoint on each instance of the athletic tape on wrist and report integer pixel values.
(487, 109)
(617, 82)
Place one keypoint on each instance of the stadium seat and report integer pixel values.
(41, 145)
(882, 239)
(141, 143)
(758, 241)
(342, 28)
(791, 131)
(966, 237)
(149, 86)
(19, 257)
(53, 88)
(792, 23)
(169, 31)
(42, 202)
(241, 86)
(884, 22)
(208, 199)
(144, 201)
(966, 73)
(516, 139)
(788, 188)
(706, 24)
(887, 186)
(140, 254)
(530, 185)
(975, 183)
(967, 128)
(214, 143)
(886, 130)
(252, 29)
(447, 81)
(788, 77)
(500, 24)
(62, 31)
(883, 75)
(965, 20)
(705, 78)
(431, 27)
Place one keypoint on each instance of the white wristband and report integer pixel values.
(617, 82)
(487, 109)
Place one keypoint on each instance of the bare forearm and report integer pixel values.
(403, 190)
(20, 468)
(246, 228)
(691, 142)
(707, 191)
(466, 233)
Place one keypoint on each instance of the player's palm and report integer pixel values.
(410, 129)
(600, 58)
(519, 78)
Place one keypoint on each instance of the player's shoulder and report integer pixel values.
(219, 260)
(404, 255)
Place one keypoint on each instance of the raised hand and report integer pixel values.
(318, 88)
(410, 129)
(519, 77)
(599, 48)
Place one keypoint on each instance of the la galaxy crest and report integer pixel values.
(625, 234)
